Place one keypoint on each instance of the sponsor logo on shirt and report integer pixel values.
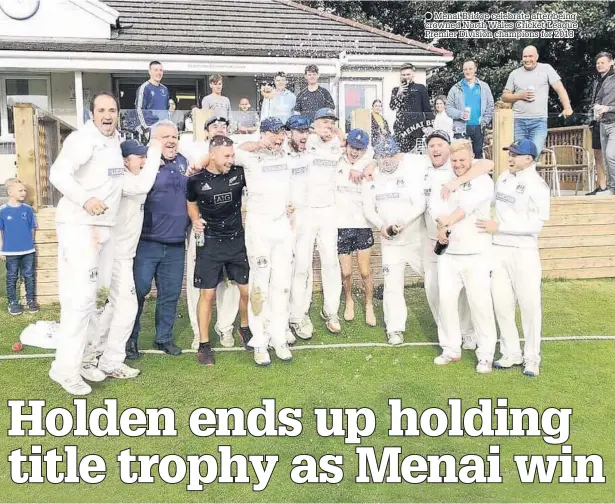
(505, 197)
(467, 186)
(219, 199)
(400, 182)
(205, 187)
(520, 188)
(386, 196)
(275, 168)
(348, 189)
(299, 170)
(427, 191)
(324, 162)
(262, 262)
(115, 172)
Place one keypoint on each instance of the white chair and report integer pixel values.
(574, 160)
(547, 167)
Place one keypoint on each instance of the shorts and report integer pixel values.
(596, 143)
(220, 255)
(350, 240)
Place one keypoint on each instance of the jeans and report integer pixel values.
(15, 265)
(532, 129)
(607, 139)
(164, 263)
(475, 133)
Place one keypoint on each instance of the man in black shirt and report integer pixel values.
(214, 207)
(411, 102)
(313, 97)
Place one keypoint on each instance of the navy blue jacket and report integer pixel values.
(152, 104)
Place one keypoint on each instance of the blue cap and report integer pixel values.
(386, 148)
(523, 148)
(325, 113)
(272, 124)
(358, 139)
(133, 147)
(298, 122)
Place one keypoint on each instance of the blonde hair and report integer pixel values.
(12, 182)
(462, 144)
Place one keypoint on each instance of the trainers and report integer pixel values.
(122, 372)
(332, 322)
(245, 335)
(33, 307)
(226, 337)
(395, 338)
(74, 386)
(469, 342)
(283, 353)
(443, 360)
(303, 329)
(205, 355)
(483, 367)
(15, 309)
(507, 362)
(261, 356)
(91, 373)
(531, 369)
(290, 337)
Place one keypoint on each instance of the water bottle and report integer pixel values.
(440, 248)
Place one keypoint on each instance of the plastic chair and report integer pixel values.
(574, 160)
(547, 167)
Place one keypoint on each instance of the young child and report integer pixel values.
(218, 104)
(247, 120)
(17, 225)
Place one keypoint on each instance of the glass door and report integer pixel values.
(357, 94)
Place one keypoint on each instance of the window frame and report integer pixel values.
(4, 120)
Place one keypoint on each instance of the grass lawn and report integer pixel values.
(578, 375)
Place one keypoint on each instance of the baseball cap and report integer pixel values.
(133, 147)
(523, 148)
(443, 135)
(272, 124)
(298, 122)
(325, 113)
(358, 139)
(386, 148)
(216, 119)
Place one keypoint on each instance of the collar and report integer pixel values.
(525, 173)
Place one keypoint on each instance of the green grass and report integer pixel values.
(578, 375)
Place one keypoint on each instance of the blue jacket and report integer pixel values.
(152, 104)
(165, 215)
(455, 105)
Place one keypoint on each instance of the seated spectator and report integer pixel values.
(380, 126)
(246, 120)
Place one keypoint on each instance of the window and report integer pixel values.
(358, 95)
(14, 90)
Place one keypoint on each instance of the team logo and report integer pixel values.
(93, 274)
(219, 199)
(400, 182)
(24, 216)
(205, 187)
(385, 270)
(9, 217)
(467, 186)
(262, 262)
(133, 291)
(427, 191)
(234, 180)
(520, 188)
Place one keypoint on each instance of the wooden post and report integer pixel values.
(591, 170)
(25, 148)
(198, 126)
(503, 136)
(362, 119)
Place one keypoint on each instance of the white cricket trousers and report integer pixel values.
(432, 291)
(472, 271)
(227, 296)
(270, 254)
(394, 261)
(85, 263)
(315, 225)
(517, 277)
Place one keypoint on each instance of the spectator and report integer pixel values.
(247, 120)
(442, 122)
(189, 119)
(313, 97)
(218, 104)
(152, 103)
(604, 112)
(473, 94)
(527, 89)
(604, 66)
(267, 96)
(176, 116)
(278, 102)
(17, 225)
(380, 126)
(161, 251)
(411, 102)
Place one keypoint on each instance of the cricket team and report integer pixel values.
(303, 183)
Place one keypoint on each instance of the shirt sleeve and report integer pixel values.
(191, 195)
(369, 207)
(32, 219)
(1, 221)
(510, 83)
(552, 75)
(143, 182)
(329, 103)
(538, 213)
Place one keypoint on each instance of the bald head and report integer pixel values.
(530, 57)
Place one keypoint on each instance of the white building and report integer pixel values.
(57, 53)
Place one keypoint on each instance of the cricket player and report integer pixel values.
(118, 317)
(394, 202)
(522, 206)
(465, 262)
(315, 221)
(90, 174)
(214, 207)
(354, 233)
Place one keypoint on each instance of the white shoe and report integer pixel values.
(332, 322)
(395, 338)
(304, 329)
(531, 369)
(122, 372)
(290, 337)
(507, 362)
(469, 341)
(283, 353)
(483, 367)
(92, 373)
(74, 386)
(261, 356)
(226, 338)
(443, 360)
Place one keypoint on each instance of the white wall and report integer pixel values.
(56, 19)
(62, 91)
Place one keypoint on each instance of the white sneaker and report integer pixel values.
(332, 322)
(283, 353)
(469, 341)
(303, 329)
(122, 372)
(443, 360)
(531, 369)
(74, 386)
(226, 337)
(483, 367)
(395, 338)
(261, 356)
(92, 373)
(507, 362)
(290, 337)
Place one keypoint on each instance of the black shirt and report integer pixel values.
(218, 197)
(308, 102)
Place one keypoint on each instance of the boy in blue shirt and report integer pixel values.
(17, 225)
